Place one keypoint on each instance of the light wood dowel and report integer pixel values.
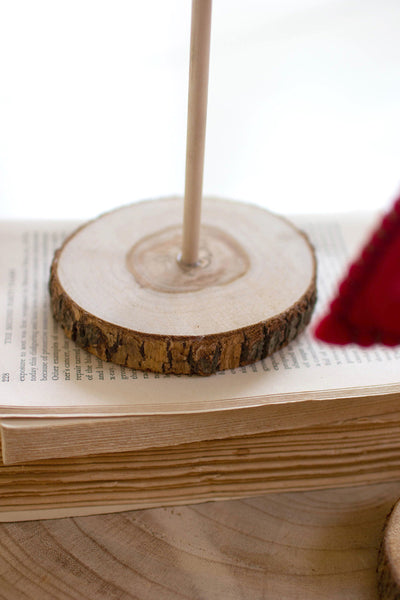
(196, 128)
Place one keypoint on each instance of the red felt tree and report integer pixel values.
(366, 309)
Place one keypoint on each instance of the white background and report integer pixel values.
(304, 104)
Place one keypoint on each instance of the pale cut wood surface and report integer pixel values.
(319, 545)
(389, 557)
(339, 455)
(196, 128)
(106, 310)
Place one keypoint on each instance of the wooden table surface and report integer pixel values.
(304, 545)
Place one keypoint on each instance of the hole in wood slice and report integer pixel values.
(154, 261)
(253, 292)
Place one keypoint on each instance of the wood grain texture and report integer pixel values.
(341, 455)
(105, 310)
(292, 546)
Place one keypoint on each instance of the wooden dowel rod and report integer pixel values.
(196, 128)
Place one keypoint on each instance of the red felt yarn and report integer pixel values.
(366, 309)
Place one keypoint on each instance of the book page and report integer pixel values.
(42, 373)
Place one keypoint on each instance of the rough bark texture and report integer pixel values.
(388, 569)
(188, 355)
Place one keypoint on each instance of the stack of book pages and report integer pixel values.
(80, 436)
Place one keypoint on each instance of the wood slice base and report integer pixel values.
(119, 292)
(293, 546)
(389, 557)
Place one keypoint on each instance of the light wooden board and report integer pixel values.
(319, 545)
(342, 455)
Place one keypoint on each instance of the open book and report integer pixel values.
(43, 374)
(57, 400)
